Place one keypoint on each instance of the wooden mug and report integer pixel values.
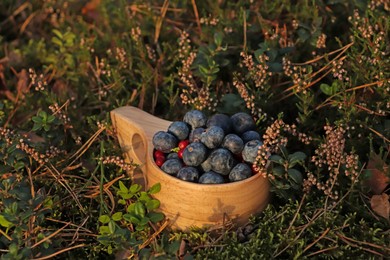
(185, 204)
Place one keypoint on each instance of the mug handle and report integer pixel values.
(135, 130)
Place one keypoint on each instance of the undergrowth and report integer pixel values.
(314, 75)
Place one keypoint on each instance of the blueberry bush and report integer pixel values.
(314, 75)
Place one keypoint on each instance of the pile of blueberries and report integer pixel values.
(217, 150)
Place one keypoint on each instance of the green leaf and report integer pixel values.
(131, 218)
(57, 33)
(50, 118)
(131, 208)
(117, 216)
(36, 127)
(295, 175)
(278, 171)
(134, 188)
(36, 119)
(295, 158)
(125, 195)
(276, 159)
(152, 204)
(4, 222)
(144, 221)
(155, 188)
(122, 187)
(144, 197)
(139, 209)
(218, 37)
(103, 230)
(56, 41)
(122, 202)
(104, 219)
(203, 70)
(111, 226)
(155, 216)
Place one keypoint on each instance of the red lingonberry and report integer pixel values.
(159, 161)
(254, 171)
(183, 144)
(180, 153)
(158, 154)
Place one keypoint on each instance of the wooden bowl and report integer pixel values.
(186, 204)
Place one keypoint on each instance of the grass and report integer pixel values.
(314, 75)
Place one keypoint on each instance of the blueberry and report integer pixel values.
(164, 141)
(242, 122)
(212, 137)
(211, 177)
(194, 154)
(172, 155)
(249, 153)
(190, 174)
(206, 166)
(221, 161)
(221, 120)
(195, 118)
(179, 129)
(195, 134)
(172, 166)
(240, 172)
(233, 143)
(250, 135)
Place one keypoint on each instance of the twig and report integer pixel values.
(379, 134)
(59, 252)
(50, 236)
(318, 239)
(345, 240)
(155, 234)
(160, 20)
(245, 28)
(296, 213)
(4, 234)
(196, 15)
(322, 251)
(85, 146)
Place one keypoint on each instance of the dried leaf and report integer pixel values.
(378, 180)
(90, 11)
(380, 205)
(22, 85)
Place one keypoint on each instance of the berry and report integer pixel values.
(172, 155)
(194, 154)
(233, 143)
(159, 161)
(221, 120)
(190, 174)
(221, 161)
(212, 137)
(250, 135)
(157, 154)
(254, 171)
(195, 134)
(211, 177)
(172, 166)
(183, 144)
(179, 129)
(164, 141)
(195, 118)
(242, 122)
(180, 153)
(206, 166)
(249, 153)
(240, 172)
